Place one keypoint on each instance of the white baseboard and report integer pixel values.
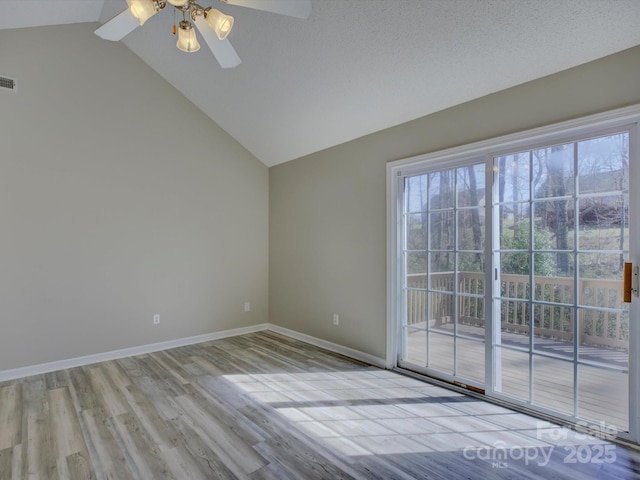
(181, 342)
(334, 347)
(125, 352)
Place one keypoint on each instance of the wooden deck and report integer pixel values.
(603, 393)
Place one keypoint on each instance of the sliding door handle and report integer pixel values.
(630, 282)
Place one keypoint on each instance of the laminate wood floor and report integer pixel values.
(265, 406)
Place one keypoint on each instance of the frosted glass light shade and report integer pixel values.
(143, 10)
(221, 23)
(187, 41)
(177, 3)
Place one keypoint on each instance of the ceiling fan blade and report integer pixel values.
(222, 49)
(118, 27)
(292, 8)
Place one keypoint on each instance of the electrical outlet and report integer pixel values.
(247, 306)
(156, 319)
(336, 319)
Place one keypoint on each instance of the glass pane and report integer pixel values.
(514, 319)
(553, 227)
(470, 359)
(604, 337)
(441, 262)
(516, 264)
(553, 289)
(553, 171)
(471, 186)
(471, 282)
(471, 320)
(471, 229)
(553, 384)
(471, 304)
(514, 226)
(602, 266)
(471, 262)
(416, 308)
(416, 263)
(441, 189)
(561, 265)
(416, 231)
(601, 293)
(512, 373)
(604, 223)
(442, 233)
(603, 164)
(441, 352)
(471, 313)
(603, 396)
(415, 193)
(441, 314)
(514, 286)
(553, 330)
(416, 346)
(513, 177)
(417, 280)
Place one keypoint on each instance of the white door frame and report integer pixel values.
(564, 131)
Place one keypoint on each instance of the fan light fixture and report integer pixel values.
(222, 24)
(212, 25)
(187, 41)
(143, 10)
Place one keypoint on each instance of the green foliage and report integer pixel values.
(471, 262)
(518, 239)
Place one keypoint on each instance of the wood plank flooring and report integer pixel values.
(264, 406)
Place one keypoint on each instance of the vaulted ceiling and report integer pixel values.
(358, 66)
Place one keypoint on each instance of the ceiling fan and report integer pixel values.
(213, 25)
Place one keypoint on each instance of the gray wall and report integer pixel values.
(327, 220)
(108, 215)
(118, 199)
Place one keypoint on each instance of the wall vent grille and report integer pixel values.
(7, 83)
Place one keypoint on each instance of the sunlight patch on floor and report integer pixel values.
(377, 412)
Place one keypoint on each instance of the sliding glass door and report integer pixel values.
(510, 273)
(562, 219)
(444, 263)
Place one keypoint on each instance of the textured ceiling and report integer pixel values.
(359, 66)
(36, 13)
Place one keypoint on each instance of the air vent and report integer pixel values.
(7, 83)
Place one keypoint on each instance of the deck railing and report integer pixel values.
(601, 320)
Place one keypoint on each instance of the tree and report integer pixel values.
(502, 170)
(476, 228)
(441, 196)
(554, 213)
(623, 184)
(518, 263)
